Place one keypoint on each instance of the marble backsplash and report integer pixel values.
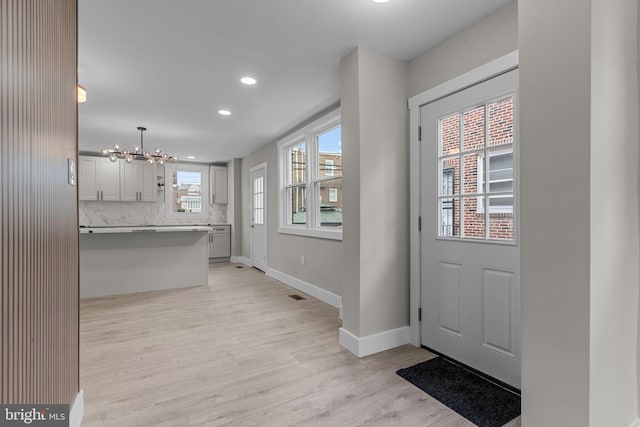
(95, 214)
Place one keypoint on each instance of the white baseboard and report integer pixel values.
(316, 292)
(241, 260)
(77, 410)
(636, 423)
(374, 343)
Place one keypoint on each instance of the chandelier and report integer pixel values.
(157, 156)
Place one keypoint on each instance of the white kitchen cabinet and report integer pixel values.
(129, 181)
(99, 179)
(104, 180)
(149, 185)
(138, 182)
(218, 187)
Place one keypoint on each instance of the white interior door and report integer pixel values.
(470, 254)
(258, 217)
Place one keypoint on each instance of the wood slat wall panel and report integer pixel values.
(38, 208)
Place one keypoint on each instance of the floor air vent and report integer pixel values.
(296, 297)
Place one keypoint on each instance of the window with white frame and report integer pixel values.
(310, 166)
(328, 167)
(333, 195)
(186, 190)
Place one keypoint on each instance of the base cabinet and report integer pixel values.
(220, 241)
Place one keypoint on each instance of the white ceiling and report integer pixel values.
(170, 65)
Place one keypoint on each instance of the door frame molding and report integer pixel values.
(262, 165)
(484, 72)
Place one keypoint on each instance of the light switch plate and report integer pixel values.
(71, 163)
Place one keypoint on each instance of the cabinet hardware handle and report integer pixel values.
(97, 194)
(101, 195)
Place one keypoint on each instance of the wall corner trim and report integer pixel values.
(77, 410)
(374, 343)
(313, 290)
(240, 260)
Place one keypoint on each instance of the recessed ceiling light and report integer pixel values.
(248, 80)
(224, 112)
(191, 157)
(381, 1)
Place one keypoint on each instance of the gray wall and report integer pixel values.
(488, 39)
(578, 110)
(323, 258)
(614, 213)
(234, 205)
(384, 193)
(350, 110)
(554, 134)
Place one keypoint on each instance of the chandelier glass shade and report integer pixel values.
(138, 153)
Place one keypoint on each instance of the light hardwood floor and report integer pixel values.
(239, 352)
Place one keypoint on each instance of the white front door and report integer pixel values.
(258, 217)
(470, 254)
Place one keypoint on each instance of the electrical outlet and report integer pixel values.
(302, 259)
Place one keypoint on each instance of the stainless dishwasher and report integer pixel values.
(219, 243)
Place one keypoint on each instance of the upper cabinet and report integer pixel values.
(104, 180)
(98, 179)
(138, 182)
(218, 187)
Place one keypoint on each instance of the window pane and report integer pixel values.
(450, 135)
(330, 206)
(297, 200)
(502, 203)
(473, 123)
(501, 226)
(258, 200)
(501, 172)
(501, 121)
(473, 218)
(449, 217)
(330, 153)
(450, 176)
(473, 178)
(187, 191)
(298, 165)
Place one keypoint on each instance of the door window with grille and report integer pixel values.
(475, 164)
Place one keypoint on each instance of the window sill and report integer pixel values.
(305, 232)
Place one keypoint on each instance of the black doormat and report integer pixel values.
(478, 400)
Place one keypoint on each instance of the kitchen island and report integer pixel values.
(118, 260)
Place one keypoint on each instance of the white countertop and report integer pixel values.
(144, 229)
